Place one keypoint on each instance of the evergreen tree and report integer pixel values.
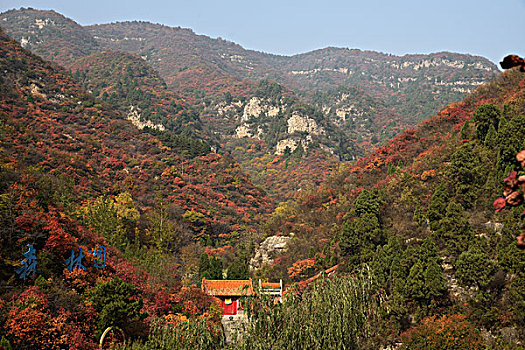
(116, 304)
(367, 202)
(419, 215)
(491, 140)
(204, 266)
(464, 169)
(210, 267)
(415, 282)
(238, 270)
(474, 267)
(465, 131)
(485, 116)
(437, 206)
(434, 282)
(454, 231)
(510, 141)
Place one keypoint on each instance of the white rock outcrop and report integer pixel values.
(286, 143)
(300, 123)
(255, 107)
(243, 131)
(268, 250)
(134, 117)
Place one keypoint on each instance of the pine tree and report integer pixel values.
(238, 270)
(485, 116)
(454, 231)
(491, 140)
(474, 267)
(437, 207)
(204, 266)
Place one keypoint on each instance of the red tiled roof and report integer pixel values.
(227, 287)
(271, 284)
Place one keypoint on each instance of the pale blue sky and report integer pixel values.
(490, 28)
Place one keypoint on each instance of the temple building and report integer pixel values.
(230, 293)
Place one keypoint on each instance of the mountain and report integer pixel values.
(77, 176)
(81, 151)
(107, 154)
(136, 90)
(415, 85)
(338, 101)
(412, 85)
(49, 34)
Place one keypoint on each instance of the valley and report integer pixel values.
(360, 180)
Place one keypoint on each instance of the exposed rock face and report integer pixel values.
(452, 283)
(134, 117)
(269, 249)
(244, 130)
(496, 226)
(223, 109)
(281, 146)
(347, 112)
(255, 107)
(303, 124)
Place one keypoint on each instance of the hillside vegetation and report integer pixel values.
(118, 150)
(419, 213)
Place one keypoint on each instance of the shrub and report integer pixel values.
(452, 332)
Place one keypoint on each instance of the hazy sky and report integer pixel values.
(490, 28)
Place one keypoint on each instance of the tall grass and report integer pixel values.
(332, 314)
(195, 334)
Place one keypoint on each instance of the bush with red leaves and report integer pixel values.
(513, 193)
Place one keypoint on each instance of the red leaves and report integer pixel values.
(520, 157)
(513, 192)
(499, 204)
(514, 186)
(521, 241)
(514, 198)
(511, 180)
(59, 241)
(446, 332)
(301, 268)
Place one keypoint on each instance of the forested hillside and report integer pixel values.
(77, 176)
(130, 174)
(419, 212)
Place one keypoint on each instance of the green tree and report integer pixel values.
(367, 202)
(465, 131)
(454, 230)
(437, 206)
(238, 270)
(517, 298)
(510, 142)
(465, 170)
(491, 140)
(474, 267)
(425, 282)
(117, 304)
(485, 116)
(360, 236)
(415, 283)
(436, 287)
(210, 267)
(103, 217)
(419, 215)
